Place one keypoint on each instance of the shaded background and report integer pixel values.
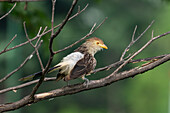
(145, 93)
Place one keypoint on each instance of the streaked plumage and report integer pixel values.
(79, 63)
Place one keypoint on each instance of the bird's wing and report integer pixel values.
(83, 66)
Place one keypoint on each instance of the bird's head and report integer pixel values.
(94, 44)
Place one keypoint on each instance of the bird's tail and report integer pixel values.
(31, 77)
(38, 74)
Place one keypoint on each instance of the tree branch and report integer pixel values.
(134, 41)
(94, 83)
(140, 50)
(62, 25)
(87, 35)
(8, 11)
(76, 88)
(95, 71)
(51, 50)
(92, 30)
(52, 17)
(24, 43)
(72, 89)
(25, 84)
(21, 65)
(10, 42)
(34, 46)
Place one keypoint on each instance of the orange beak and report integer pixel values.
(103, 46)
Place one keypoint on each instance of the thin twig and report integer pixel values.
(77, 88)
(26, 84)
(27, 35)
(52, 17)
(37, 53)
(140, 50)
(51, 50)
(31, 96)
(131, 61)
(95, 71)
(61, 27)
(159, 36)
(152, 34)
(19, 45)
(134, 32)
(8, 11)
(39, 35)
(24, 43)
(87, 35)
(134, 41)
(148, 59)
(10, 42)
(92, 30)
(130, 44)
(21, 65)
(78, 12)
(39, 31)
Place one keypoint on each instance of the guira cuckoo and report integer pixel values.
(77, 64)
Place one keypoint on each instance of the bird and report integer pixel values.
(78, 64)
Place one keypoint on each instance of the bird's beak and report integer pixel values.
(103, 46)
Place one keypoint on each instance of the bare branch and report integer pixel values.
(21, 65)
(24, 43)
(72, 89)
(148, 59)
(130, 44)
(9, 11)
(131, 61)
(159, 36)
(40, 35)
(37, 53)
(76, 88)
(134, 32)
(134, 41)
(92, 28)
(78, 12)
(43, 34)
(140, 50)
(40, 30)
(152, 34)
(52, 17)
(89, 34)
(25, 85)
(51, 50)
(95, 71)
(61, 27)
(27, 35)
(10, 42)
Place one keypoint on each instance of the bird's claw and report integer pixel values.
(86, 82)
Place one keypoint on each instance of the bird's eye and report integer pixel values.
(97, 42)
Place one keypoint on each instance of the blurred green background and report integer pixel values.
(145, 93)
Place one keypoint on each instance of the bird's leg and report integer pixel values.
(86, 81)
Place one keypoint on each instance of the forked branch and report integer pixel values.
(76, 88)
(73, 89)
(133, 41)
(44, 72)
(44, 33)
